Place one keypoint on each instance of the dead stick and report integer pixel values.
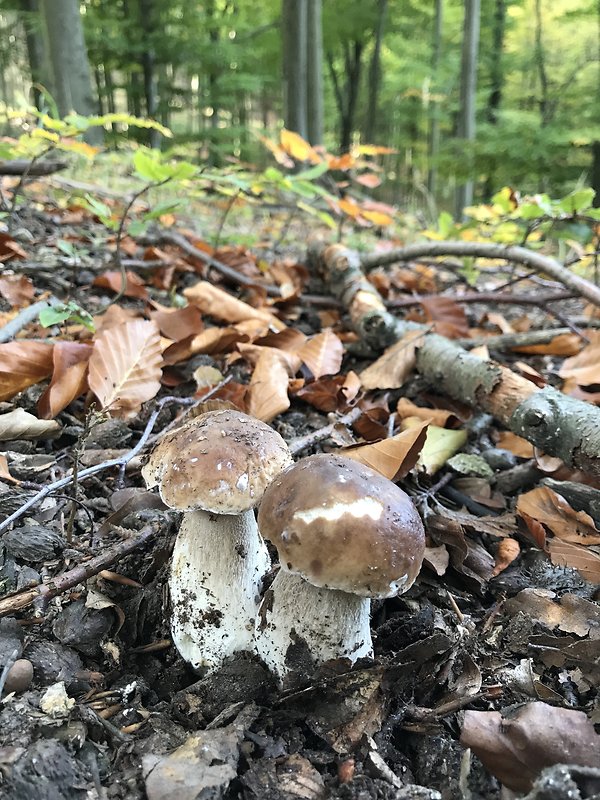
(519, 255)
(79, 574)
(560, 425)
(303, 442)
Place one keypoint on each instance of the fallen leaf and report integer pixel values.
(4, 471)
(437, 559)
(289, 339)
(439, 446)
(564, 344)
(268, 390)
(125, 367)
(69, 377)
(114, 316)
(206, 377)
(437, 416)
(322, 354)
(584, 560)
(16, 289)
(584, 368)
(507, 440)
(507, 550)
(253, 352)
(516, 748)
(22, 364)
(210, 341)
(570, 613)
(500, 321)
(394, 457)
(391, 370)
(221, 305)
(179, 323)
(19, 424)
(553, 511)
(9, 248)
(449, 317)
(112, 279)
(467, 557)
(326, 394)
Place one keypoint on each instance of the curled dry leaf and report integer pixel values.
(18, 424)
(268, 390)
(553, 511)
(391, 370)
(437, 559)
(16, 289)
(565, 344)
(570, 613)
(448, 316)
(69, 377)
(584, 368)
(519, 447)
(114, 316)
(440, 445)
(22, 364)
(436, 416)
(322, 354)
(326, 394)
(515, 749)
(210, 341)
(5, 472)
(178, 323)
(584, 560)
(113, 280)
(507, 550)
(221, 305)
(125, 367)
(393, 457)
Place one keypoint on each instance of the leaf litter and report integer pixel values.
(503, 617)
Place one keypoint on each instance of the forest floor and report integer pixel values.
(491, 625)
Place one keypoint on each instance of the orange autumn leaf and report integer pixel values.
(552, 510)
(322, 354)
(298, 147)
(16, 289)
(565, 344)
(179, 323)
(70, 361)
(368, 179)
(210, 341)
(125, 367)
(507, 440)
(391, 369)
(221, 305)
(508, 549)
(22, 364)
(584, 560)
(377, 217)
(375, 150)
(268, 390)
(9, 248)
(584, 368)
(449, 317)
(343, 162)
(393, 457)
(349, 207)
(438, 416)
(134, 285)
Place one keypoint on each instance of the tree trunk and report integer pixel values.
(147, 14)
(540, 60)
(36, 53)
(353, 64)
(468, 88)
(294, 40)
(69, 59)
(314, 72)
(434, 123)
(375, 74)
(496, 81)
(595, 171)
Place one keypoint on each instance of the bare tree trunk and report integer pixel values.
(36, 54)
(468, 87)
(70, 65)
(147, 21)
(375, 74)
(294, 39)
(540, 60)
(496, 80)
(314, 72)
(434, 124)
(595, 171)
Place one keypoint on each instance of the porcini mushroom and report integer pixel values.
(344, 534)
(215, 468)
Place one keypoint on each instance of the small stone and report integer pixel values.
(19, 676)
(472, 465)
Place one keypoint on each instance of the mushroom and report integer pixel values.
(215, 468)
(344, 534)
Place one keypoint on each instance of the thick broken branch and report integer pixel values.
(25, 167)
(554, 422)
(519, 255)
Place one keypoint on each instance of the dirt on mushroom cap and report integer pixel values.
(221, 462)
(341, 525)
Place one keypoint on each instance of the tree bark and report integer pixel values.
(294, 40)
(540, 60)
(70, 65)
(371, 125)
(36, 52)
(314, 72)
(434, 121)
(496, 81)
(148, 25)
(468, 88)
(560, 425)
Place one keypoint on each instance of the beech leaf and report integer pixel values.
(552, 510)
(113, 280)
(584, 368)
(322, 354)
(393, 457)
(16, 289)
(125, 367)
(268, 391)
(18, 424)
(221, 305)
(22, 364)
(69, 378)
(391, 370)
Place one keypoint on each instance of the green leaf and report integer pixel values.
(577, 201)
(148, 167)
(160, 209)
(445, 224)
(313, 173)
(61, 312)
(503, 199)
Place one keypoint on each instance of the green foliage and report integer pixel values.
(66, 312)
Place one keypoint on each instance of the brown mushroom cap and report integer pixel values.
(341, 525)
(221, 461)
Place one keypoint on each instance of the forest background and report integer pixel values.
(470, 97)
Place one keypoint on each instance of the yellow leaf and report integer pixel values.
(377, 217)
(440, 445)
(298, 147)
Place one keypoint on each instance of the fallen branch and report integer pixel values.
(560, 425)
(23, 318)
(485, 297)
(25, 167)
(519, 255)
(67, 580)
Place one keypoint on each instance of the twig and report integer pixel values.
(486, 297)
(303, 442)
(174, 238)
(79, 574)
(508, 341)
(7, 667)
(224, 216)
(520, 255)
(113, 462)
(23, 318)
(19, 187)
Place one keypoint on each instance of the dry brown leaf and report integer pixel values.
(4, 471)
(553, 511)
(437, 416)
(322, 354)
(179, 323)
(268, 390)
(290, 339)
(326, 394)
(134, 285)
(565, 344)
(437, 559)
(22, 364)
(530, 373)
(391, 370)
(584, 560)
(69, 377)
(210, 341)
(394, 457)
(516, 445)
(253, 352)
(125, 367)
(570, 613)
(515, 749)
(449, 317)
(9, 248)
(584, 368)
(507, 550)
(114, 316)
(16, 289)
(19, 424)
(221, 305)
(500, 321)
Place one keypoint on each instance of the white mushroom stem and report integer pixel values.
(218, 565)
(332, 624)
